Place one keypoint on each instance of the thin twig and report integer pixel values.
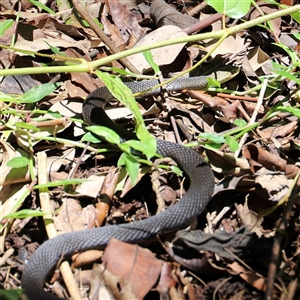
(277, 245)
(254, 115)
(50, 227)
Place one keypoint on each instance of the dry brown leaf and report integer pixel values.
(250, 218)
(70, 217)
(259, 157)
(276, 185)
(167, 279)
(250, 277)
(276, 131)
(86, 257)
(163, 14)
(91, 187)
(54, 162)
(40, 44)
(105, 284)
(227, 164)
(266, 8)
(136, 265)
(162, 56)
(126, 24)
(127, 186)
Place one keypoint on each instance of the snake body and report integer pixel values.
(46, 257)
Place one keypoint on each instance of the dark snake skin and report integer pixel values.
(45, 258)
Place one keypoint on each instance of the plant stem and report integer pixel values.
(91, 66)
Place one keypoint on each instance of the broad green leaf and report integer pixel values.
(216, 138)
(152, 146)
(132, 166)
(54, 114)
(89, 137)
(5, 25)
(38, 92)
(11, 294)
(232, 8)
(139, 146)
(108, 134)
(18, 162)
(124, 95)
(148, 148)
(296, 16)
(24, 213)
(149, 58)
(215, 146)
(232, 143)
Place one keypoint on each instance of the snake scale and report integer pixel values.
(46, 257)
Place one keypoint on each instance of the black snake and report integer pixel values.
(46, 257)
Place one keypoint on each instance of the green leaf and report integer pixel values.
(59, 182)
(55, 50)
(152, 147)
(18, 162)
(297, 35)
(148, 148)
(296, 16)
(215, 146)
(25, 213)
(5, 97)
(38, 92)
(98, 23)
(141, 147)
(122, 72)
(5, 25)
(216, 138)
(240, 123)
(292, 54)
(293, 110)
(54, 114)
(232, 143)
(24, 125)
(132, 166)
(124, 95)
(149, 58)
(11, 294)
(42, 6)
(89, 137)
(288, 75)
(176, 170)
(211, 82)
(108, 134)
(232, 8)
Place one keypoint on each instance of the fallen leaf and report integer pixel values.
(138, 266)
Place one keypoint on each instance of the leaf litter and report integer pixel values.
(229, 253)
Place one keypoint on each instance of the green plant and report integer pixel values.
(146, 145)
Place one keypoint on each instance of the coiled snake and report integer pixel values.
(45, 258)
